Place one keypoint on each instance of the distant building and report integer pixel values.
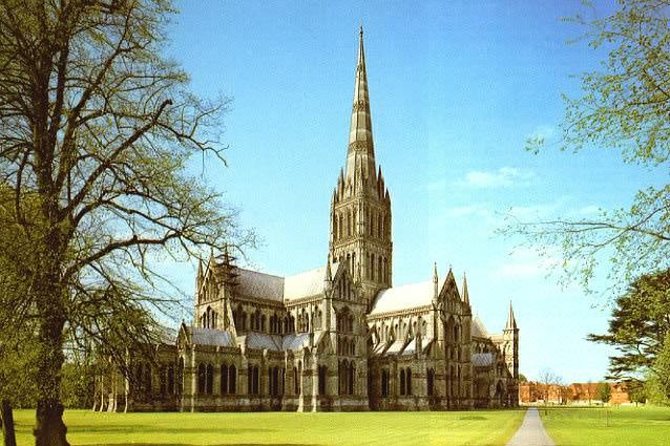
(341, 337)
(575, 393)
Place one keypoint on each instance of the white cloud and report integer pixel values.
(543, 133)
(503, 177)
(525, 263)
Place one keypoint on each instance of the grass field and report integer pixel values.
(366, 428)
(648, 426)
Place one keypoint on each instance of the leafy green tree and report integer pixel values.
(604, 392)
(624, 108)
(96, 132)
(661, 370)
(639, 324)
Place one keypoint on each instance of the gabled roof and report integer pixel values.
(482, 359)
(477, 329)
(308, 283)
(263, 341)
(208, 336)
(404, 297)
(259, 285)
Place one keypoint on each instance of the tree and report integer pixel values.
(604, 392)
(96, 131)
(661, 370)
(639, 325)
(623, 108)
(549, 380)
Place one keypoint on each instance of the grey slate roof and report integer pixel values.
(264, 341)
(403, 297)
(482, 359)
(208, 336)
(477, 328)
(260, 285)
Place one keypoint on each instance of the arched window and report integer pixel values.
(402, 381)
(430, 378)
(352, 378)
(323, 373)
(372, 267)
(210, 379)
(296, 381)
(202, 379)
(385, 383)
(379, 226)
(224, 379)
(170, 379)
(252, 379)
(409, 381)
(232, 379)
(263, 323)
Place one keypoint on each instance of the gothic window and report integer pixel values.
(263, 323)
(335, 226)
(322, 373)
(372, 223)
(339, 226)
(430, 378)
(386, 270)
(349, 225)
(210, 379)
(379, 226)
(170, 379)
(406, 381)
(385, 383)
(202, 379)
(276, 381)
(379, 268)
(372, 267)
(162, 372)
(408, 377)
(252, 379)
(232, 379)
(346, 374)
(224, 379)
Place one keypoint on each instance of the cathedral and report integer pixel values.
(341, 337)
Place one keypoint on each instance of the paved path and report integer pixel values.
(531, 432)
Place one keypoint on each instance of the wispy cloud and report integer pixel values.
(525, 263)
(542, 133)
(503, 177)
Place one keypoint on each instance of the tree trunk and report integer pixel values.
(7, 416)
(50, 429)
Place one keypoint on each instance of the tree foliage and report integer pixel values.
(604, 392)
(661, 369)
(624, 108)
(96, 131)
(639, 325)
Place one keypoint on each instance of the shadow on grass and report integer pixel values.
(181, 430)
(189, 444)
(473, 417)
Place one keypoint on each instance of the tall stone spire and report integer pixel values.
(361, 153)
(360, 213)
(511, 320)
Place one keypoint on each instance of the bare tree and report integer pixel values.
(548, 379)
(96, 131)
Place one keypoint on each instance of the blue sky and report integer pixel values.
(456, 88)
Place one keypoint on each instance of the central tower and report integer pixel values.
(360, 212)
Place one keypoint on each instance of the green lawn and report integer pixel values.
(370, 428)
(647, 426)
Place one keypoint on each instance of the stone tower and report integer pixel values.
(360, 214)
(511, 344)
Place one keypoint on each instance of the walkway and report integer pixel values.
(531, 432)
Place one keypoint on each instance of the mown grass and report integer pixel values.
(364, 428)
(596, 426)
